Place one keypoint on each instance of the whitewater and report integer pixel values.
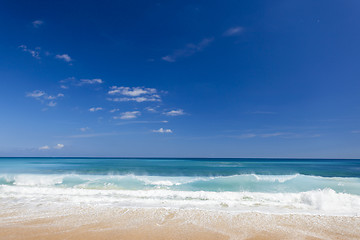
(296, 186)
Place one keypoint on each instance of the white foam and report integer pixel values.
(325, 201)
(275, 178)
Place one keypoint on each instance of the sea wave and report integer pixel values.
(321, 201)
(236, 183)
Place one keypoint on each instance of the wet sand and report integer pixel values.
(160, 223)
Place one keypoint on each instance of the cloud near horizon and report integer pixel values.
(57, 146)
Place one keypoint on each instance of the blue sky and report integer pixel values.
(180, 78)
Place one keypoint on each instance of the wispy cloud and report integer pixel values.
(34, 53)
(52, 104)
(246, 135)
(287, 135)
(91, 81)
(355, 131)
(151, 109)
(95, 109)
(188, 50)
(177, 112)
(140, 122)
(37, 23)
(262, 135)
(46, 147)
(90, 135)
(84, 129)
(64, 57)
(45, 98)
(36, 94)
(50, 97)
(128, 115)
(135, 99)
(275, 134)
(114, 110)
(234, 31)
(162, 130)
(137, 94)
(263, 112)
(64, 84)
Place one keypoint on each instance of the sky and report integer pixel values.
(180, 78)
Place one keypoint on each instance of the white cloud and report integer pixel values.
(131, 91)
(52, 104)
(37, 23)
(49, 97)
(45, 98)
(233, 31)
(151, 109)
(34, 53)
(355, 131)
(46, 147)
(36, 94)
(64, 87)
(64, 57)
(59, 146)
(95, 109)
(114, 110)
(188, 50)
(177, 112)
(90, 81)
(162, 130)
(136, 94)
(128, 115)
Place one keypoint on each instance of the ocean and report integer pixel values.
(299, 186)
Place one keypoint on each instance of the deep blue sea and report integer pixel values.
(315, 186)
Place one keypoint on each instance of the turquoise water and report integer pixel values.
(329, 186)
(183, 167)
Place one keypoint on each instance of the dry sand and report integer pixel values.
(144, 223)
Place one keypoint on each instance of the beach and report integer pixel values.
(160, 223)
(80, 198)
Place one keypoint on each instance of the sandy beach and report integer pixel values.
(160, 223)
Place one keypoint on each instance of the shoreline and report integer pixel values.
(109, 222)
